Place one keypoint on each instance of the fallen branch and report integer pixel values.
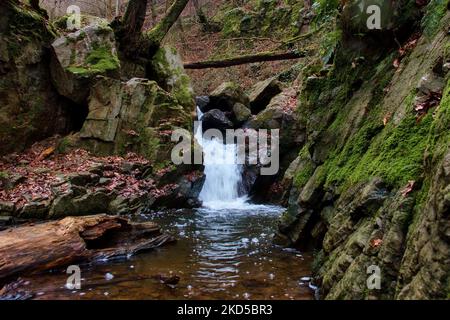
(245, 59)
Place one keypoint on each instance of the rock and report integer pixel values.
(31, 109)
(35, 210)
(104, 181)
(80, 56)
(119, 206)
(216, 119)
(241, 113)
(134, 116)
(226, 96)
(6, 222)
(169, 73)
(10, 181)
(83, 178)
(7, 208)
(71, 204)
(280, 114)
(185, 193)
(202, 102)
(261, 94)
(355, 16)
(430, 83)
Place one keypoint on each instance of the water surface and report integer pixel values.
(220, 254)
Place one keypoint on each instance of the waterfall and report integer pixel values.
(223, 174)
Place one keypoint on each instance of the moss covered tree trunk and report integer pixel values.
(155, 36)
(245, 59)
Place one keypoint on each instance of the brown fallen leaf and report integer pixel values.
(46, 153)
(409, 187)
(375, 243)
(386, 119)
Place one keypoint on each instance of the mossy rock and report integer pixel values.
(169, 73)
(134, 116)
(80, 56)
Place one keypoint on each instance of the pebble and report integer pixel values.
(109, 276)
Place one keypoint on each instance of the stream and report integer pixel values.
(224, 250)
(220, 254)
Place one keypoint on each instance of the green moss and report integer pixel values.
(342, 164)
(25, 26)
(397, 154)
(4, 175)
(100, 60)
(436, 10)
(325, 10)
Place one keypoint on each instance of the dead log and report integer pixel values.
(245, 59)
(57, 244)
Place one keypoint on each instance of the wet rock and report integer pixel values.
(184, 194)
(119, 205)
(202, 102)
(80, 56)
(261, 94)
(226, 96)
(241, 113)
(216, 119)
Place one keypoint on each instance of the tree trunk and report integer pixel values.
(155, 36)
(134, 18)
(58, 244)
(201, 16)
(239, 60)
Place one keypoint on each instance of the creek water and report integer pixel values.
(224, 250)
(220, 254)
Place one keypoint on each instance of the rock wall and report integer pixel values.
(30, 108)
(370, 186)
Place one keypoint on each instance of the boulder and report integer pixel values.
(216, 119)
(355, 15)
(280, 114)
(169, 73)
(30, 109)
(134, 116)
(201, 102)
(241, 113)
(262, 92)
(72, 204)
(183, 194)
(226, 96)
(80, 56)
(7, 208)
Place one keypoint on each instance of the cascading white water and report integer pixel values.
(223, 174)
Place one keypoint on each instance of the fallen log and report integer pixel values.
(245, 59)
(39, 247)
